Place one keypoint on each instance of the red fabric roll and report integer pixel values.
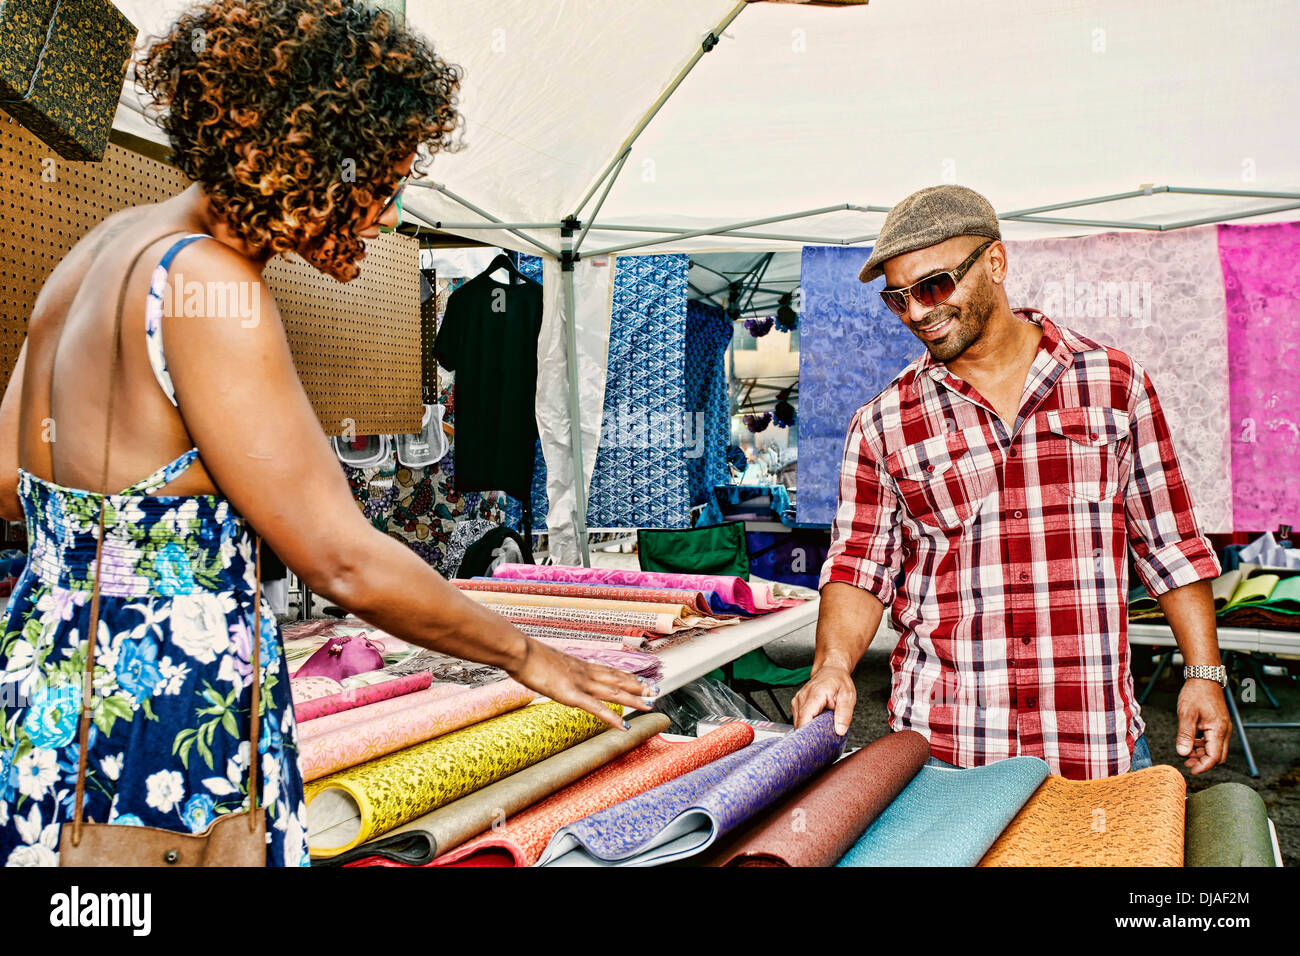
(360, 696)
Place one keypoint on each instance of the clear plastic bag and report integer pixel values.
(701, 698)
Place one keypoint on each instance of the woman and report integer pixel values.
(296, 122)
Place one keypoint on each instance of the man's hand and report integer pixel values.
(831, 688)
(1203, 725)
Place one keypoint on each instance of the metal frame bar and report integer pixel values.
(442, 188)
(728, 228)
(609, 184)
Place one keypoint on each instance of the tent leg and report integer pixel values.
(575, 413)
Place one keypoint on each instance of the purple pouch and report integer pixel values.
(341, 657)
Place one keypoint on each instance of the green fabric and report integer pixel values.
(757, 666)
(1227, 825)
(716, 549)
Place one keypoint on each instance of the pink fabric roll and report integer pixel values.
(356, 743)
(755, 597)
(690, 598)
(379, 710)
(361, 696)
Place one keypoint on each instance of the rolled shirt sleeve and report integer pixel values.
(1165, 539)
(865, 546)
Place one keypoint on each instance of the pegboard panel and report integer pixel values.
(356, 345)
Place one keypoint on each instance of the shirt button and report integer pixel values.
(1024, 640)
(1012, 453)
(1018, 514)
(1093, 436)
(1011, 663)
(929, 467)
(1024, 575)
(1031, 701)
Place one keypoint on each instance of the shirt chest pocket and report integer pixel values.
(1091, 442)
(943, 480)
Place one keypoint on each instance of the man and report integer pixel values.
(990, 496)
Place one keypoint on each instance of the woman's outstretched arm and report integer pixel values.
(261, 443)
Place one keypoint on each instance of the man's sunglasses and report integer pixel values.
(933, 289)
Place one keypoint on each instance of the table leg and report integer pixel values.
(1241, 731)
(1259, 676)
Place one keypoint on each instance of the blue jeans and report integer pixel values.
(1141, 757)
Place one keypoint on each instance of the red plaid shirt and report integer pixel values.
(1003, 553)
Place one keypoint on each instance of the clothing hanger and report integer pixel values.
(502, 261)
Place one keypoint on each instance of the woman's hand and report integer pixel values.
(568, 680)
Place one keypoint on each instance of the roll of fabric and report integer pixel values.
(1135, 819)
(346, 809)
(695, 600)
(380, 710)
(359, 697)
(622, 637)
(685, 817)
(306, 689)
(948, 817)
(816, 824)
(522, 840)
(1227, 825)
(754, 596)
(657, 623)
(417, 843)
(356, 740)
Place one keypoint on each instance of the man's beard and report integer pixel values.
(969, 323)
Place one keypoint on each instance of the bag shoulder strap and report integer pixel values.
(92, 632)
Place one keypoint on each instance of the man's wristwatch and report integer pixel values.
(1217, 674)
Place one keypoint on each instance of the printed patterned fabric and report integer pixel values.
(754, 597)
(636, 663)
(697, 601)
(420, 841)
(522, 840)
(347, 809)
(1135, 819)
(1227, 825)
(816, 824)
(515, 599)
(665, 623)
(684, 817)
(948, 817)
(375, 710)
(850, 347)
(708, 333)
(443, 668)
(1262, 296)
(323, 705)
(1156, 296)
(615, 636)
(1159, 297)
(641, 479)
(308, 689)
(168, 746)
(359, 737)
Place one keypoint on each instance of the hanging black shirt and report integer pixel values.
(489, 339)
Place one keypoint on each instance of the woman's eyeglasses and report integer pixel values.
(401, 184)
(933, 289)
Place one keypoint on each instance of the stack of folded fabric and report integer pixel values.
(1261, 597)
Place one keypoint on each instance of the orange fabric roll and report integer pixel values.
(1135, 819)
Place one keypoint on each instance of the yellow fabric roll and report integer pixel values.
(348, 808)
(1135, 819)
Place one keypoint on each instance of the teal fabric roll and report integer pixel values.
(1227, 825)
(948, 817)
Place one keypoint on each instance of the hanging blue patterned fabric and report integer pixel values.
(851, 347)
(639, 482)
(708, 332)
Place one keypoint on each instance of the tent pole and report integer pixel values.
(600, 202)
(708, 43)
(567, 263)
(554, 254)
(719, 230)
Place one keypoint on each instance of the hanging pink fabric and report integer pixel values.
(1262, 292)
(361, 696)
(755, 597)
(1159, 297)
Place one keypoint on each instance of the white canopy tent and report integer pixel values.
(717, 125)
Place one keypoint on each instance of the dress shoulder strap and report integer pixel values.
(156, 306)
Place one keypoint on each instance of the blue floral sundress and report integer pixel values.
(168, 744)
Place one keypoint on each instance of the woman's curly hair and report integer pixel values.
(291, 114)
